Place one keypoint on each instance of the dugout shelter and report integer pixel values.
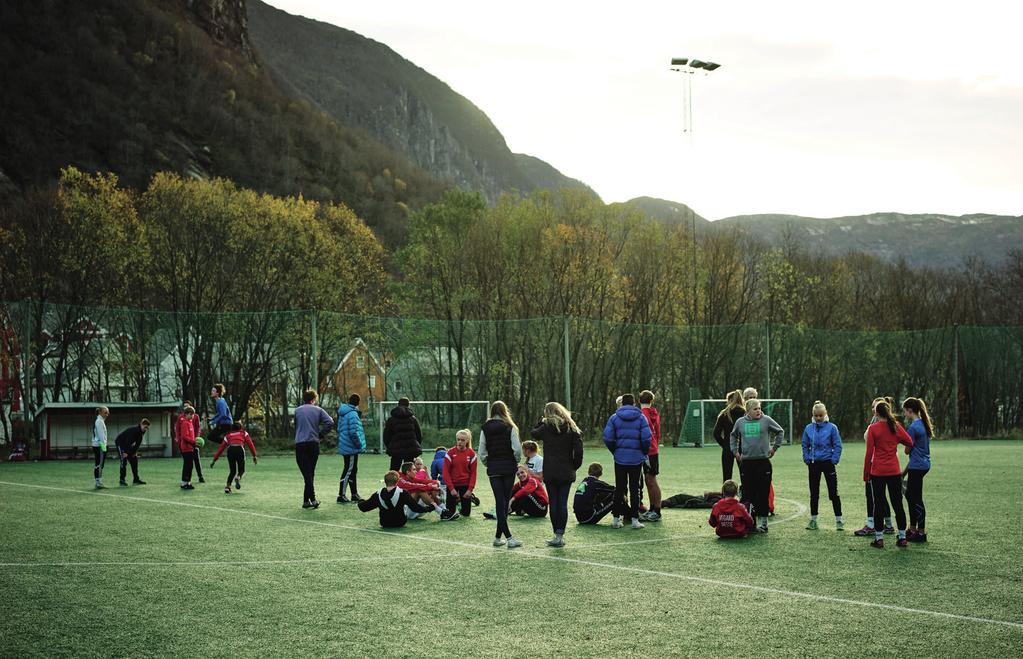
(65, 429)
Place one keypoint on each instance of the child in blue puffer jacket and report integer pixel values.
(822, 449)
(627, 435)
(351, 441)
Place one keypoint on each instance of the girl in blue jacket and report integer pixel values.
(351, 441)
(921, 430)
(822, 449)
(627, 435)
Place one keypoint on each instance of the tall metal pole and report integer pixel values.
(314, 355)
(767, 362)
(955, 381)
(568, 367)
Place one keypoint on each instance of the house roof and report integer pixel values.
(358, 342)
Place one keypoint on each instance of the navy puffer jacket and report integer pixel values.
(627, 435)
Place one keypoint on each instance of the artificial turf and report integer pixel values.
(155, 571)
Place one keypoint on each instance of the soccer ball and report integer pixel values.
(199, 441)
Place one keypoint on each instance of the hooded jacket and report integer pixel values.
(821, 443)
(403, 438)
(184, 431)
(627, 436)
(653, 417)
(437, 466)
(753, 439)
(351, 438)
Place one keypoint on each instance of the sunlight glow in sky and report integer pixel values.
(818, 109)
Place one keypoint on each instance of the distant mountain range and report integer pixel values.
(364, 84)
(921, 239)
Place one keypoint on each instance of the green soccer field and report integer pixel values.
(155, 571)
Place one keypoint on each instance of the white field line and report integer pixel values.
(554, 557)
(296, 561)
(677, 536)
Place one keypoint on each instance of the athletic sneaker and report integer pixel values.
(839, 526)
(864, 532)
(555, 542)
(636, 524)
(227, 490)
(138, 482)
(202, 480)
(188, 486)
(513, 543)
(314, 503)
(498, 542)
(651, 516)
(616, 523)
(889, 530)
(902, 542)
(489, 515)
(355, 498)
(343, 499)
(305, 504)
(812, 526)
(447, 518)
(237, 484)
(918, 537)
(100, 486)
(877, 543)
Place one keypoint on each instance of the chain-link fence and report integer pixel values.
(968, 376)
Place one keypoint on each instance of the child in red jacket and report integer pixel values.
(529, 496)
(460, 474)
(730, 518)
(235, 443)
(425, 492)
(184, 431)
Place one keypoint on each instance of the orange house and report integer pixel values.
(358, 372)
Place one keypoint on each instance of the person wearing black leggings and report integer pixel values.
(563, 455)
(500, 449)
(881, 468)
(869, 528)
(627, 435)
(235, 443)
(921, 430)
(99, 444)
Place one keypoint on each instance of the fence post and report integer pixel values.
(568, 366)
(767, 362)
(314, 355)
(955, 380)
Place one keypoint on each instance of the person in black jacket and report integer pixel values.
(563, 455)
(594, 498)
(403, 438)
(500, 450)
(734, 410)
(394, 503)
(128, 443)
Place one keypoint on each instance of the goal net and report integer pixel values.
(701, 415)
(439, 420)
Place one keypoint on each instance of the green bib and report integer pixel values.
(751, 429)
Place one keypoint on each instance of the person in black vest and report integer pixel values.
(403, 438)
(128, 443)
(563, 455)
(500, 450)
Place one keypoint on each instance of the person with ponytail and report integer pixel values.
(921, 430)
(500, 449)
(734, 410)
(822, 449)
(882, 470)
(868, 528)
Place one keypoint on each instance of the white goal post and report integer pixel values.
(436, 416)
(698, 425)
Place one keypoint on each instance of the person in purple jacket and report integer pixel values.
(311, 422)
(627, 435)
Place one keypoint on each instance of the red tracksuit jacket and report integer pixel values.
(531, 486)
(730, 519)
(184, 430)
(653, 417)
(411, 485)
(882, 457)
(236, 438)
(460, 468)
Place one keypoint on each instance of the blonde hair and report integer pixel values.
(752, 404)
(465, 432)
(749, 393)
(734, 400)
(555, 414)
(819, 407)
(499, 410)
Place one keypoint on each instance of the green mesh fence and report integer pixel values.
(968, 376)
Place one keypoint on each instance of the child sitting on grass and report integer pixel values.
(529, 497)
(426, 493)
(730, 518)
(396, 506)
(594, 498)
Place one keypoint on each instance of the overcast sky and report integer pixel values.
(819, 108)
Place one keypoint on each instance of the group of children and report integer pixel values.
(755, 438)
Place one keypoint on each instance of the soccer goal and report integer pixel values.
(701, 415)
(439, 420)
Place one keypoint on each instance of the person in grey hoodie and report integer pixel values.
(311, 422)
(754, 440)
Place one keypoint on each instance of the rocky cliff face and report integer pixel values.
(225, 20)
